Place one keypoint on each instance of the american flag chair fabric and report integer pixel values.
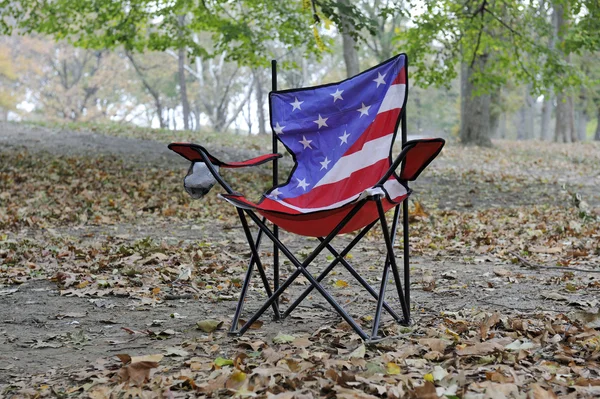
(344, 179)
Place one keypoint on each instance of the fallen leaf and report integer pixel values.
(439, 373)
(282, 338)
(341, 284)
(392, 368)
(483, 348)
(488, 322)
(540, 393)
(358, 353)
(435, 344)
(147, 358)
(426, 391)
(518, 345)
(173, 351)
(136, 373)
(209, 325)
(554, 296)
(220, 361)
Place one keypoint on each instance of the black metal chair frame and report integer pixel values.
(389, 235)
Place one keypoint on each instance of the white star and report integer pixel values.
(278, 129)
(325, 163)
(364, 110)
(379, 79)
(302, 183)
(321, 121)
(337, 95)
(296, 104)
(344, 138)
(305, 143)
(275, 193)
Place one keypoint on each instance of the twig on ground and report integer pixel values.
(530, 265)
(518, 308)
(170, 297)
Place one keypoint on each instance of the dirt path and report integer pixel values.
(49, 337)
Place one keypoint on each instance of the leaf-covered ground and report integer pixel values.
(113, 283)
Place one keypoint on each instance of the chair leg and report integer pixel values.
(358, 277)
(301, 269)
(390, 250)
(240, 304)
(380, 300)
(384, 277)
(328, 269)
(259, 265)
(406, 259)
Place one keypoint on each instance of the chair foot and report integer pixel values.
(234, 333)
(404, 322)
(374, 340)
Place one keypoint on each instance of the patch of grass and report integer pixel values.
(204, 136)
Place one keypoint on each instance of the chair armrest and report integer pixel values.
(196, 153)
(420, 155)
(416, 155)
(192, 152)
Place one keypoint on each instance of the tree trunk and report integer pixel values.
(350, 52)
(547, 106)
(597, 134)
(185, 104)
(474, 110)
(502, 126)
(565, 124)
(260, 99)
(153, 92)
(582, 121)
(563, 132)
(525, 119)
(571, 119)
(495, 112)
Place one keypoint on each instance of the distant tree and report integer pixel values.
(495, 42)
(8, 77)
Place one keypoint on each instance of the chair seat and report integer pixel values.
(320, 221)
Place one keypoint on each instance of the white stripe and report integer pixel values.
(394, 98)
(372, 152)
(323, 208)
(392, 187)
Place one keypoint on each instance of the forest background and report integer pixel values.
(513, 69)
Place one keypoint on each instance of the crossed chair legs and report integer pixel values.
(315, 283)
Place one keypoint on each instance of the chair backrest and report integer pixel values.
(340, 135)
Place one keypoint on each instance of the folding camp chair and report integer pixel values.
(340, 137)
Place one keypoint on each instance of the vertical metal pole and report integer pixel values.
(403, 121)
(275, 182)
(405, 227)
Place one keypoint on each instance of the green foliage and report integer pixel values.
(514, 37)
(244, 29)
(7, 78)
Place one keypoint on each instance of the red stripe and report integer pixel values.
(320, 224)
(418, 156)
(383, 125)
(190, 152)
(356, 183)
(251, 162)
(401, 77)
